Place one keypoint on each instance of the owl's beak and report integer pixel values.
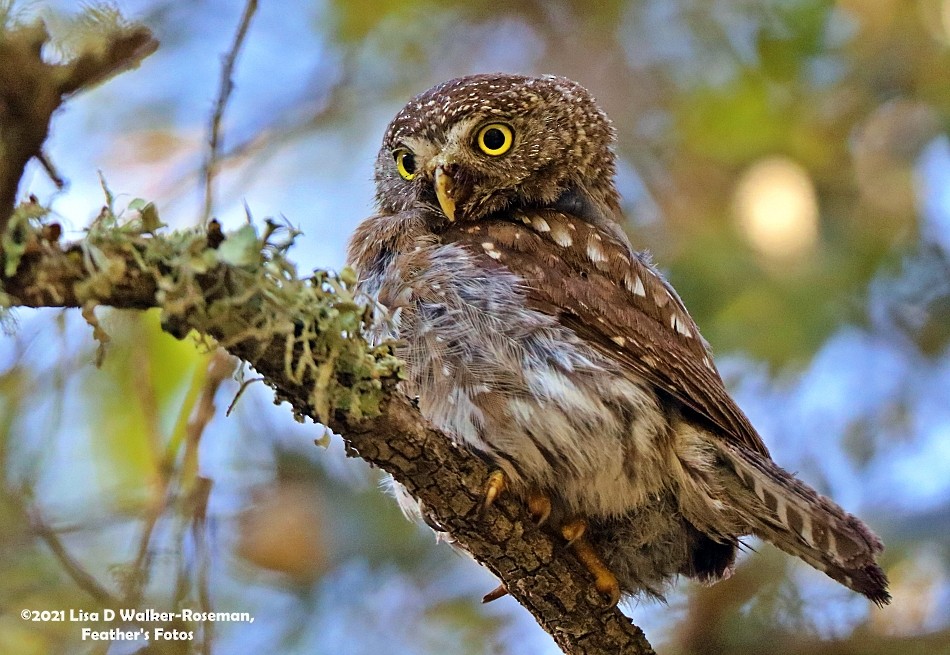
(445, 192)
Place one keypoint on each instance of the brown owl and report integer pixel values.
(534, 334)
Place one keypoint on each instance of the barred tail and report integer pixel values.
(785, 511)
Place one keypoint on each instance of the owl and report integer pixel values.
(534, 334)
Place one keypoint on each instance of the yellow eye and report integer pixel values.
(495, 139)
(405, 163)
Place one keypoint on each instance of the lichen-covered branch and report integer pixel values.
(304, 336)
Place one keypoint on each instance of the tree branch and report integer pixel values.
(304, 337)
(32, 89)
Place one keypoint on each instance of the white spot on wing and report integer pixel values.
(833, 545)
(561, 236)
(594, 252)
(757, 487)
(635, 285)
(490, 250)
(782, 511)
(679, 324)
(540, 224)
(807, 529)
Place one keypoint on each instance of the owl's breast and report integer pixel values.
(514, 384)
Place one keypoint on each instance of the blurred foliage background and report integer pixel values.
(786, 161)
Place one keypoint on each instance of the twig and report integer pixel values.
(224, 94)
(220, 368)
(240, 392)
(203, 556)
(172, 475)
(83, 579)
(50, 169)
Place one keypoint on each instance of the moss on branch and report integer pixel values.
(242, 290)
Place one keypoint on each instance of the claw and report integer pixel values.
(539, 505)
(493, 488)
(496, 593)
(573, 530)
(604, 581)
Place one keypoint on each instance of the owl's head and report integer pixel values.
(477, 145)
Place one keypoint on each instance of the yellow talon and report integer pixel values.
(497, 482)
(574, 530)
(539, 505)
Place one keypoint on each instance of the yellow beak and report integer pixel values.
(444, 191)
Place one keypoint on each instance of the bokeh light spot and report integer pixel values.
(777, 208)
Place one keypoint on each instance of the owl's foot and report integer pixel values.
(494, 487)
(496, 593)
(604, 581)
(539, 503)
(539, 506)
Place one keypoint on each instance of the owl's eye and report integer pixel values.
(495, 139)
(405, 163)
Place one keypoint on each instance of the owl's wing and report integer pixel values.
(592, 283)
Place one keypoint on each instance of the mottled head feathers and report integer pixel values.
(561, 149)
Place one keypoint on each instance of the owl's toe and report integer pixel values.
(573, 530)
(539, 505)
(494, 487)
(605, 582)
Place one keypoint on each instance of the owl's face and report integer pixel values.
(477, 145)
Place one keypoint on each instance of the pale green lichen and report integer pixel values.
(25, 220)
(259, 299)
(98, 332)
